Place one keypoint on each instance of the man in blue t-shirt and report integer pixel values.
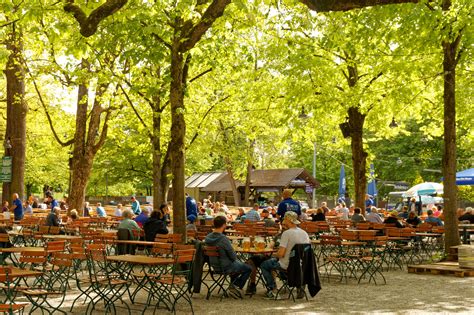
(288, 204)
(52, 202)
(191, 206)
(17, 207)
(136, 206)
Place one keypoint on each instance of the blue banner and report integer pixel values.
(342, 183)
(372, 184)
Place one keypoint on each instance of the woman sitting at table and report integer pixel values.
(73, 216)
(154, 225)
(319, 216)
(413, 220)
(393, 219)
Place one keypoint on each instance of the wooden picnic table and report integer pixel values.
(137, 242)
(22, 249)
(61, 237)
(141, 260)
(255, 251)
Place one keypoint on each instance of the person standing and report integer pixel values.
(288, 204)
(135, 206)
(191, 206)
(17, 207)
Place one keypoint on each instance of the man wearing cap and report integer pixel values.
(288, 204)
(393, 218)
(135, 206)
(292, 236)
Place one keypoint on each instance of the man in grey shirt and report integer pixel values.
(293, 235)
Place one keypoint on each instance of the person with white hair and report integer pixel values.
(373, 216)
(143, 216)
(467, 216)
(127, 222)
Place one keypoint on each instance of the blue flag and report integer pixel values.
(372, 185)
(342, 183)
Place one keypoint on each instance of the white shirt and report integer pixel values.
(288, 239)
(345, 213)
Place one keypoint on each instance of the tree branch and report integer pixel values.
(136, 112)
(346, 5)
(200, 75)
(192, 34)
(89, 24)
(196, 134)
(48, 116)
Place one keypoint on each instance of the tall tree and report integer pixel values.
(15, 135)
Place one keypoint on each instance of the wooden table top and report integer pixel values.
(22, 249)
(343, 243)
(428, 234)
(61, 237)
(135, 242)
(141, 259)
(255, 251)
(22, 273)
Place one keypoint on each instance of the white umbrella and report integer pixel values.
(427, 188)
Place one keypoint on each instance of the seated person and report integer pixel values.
(319, 216)
(268, 222)
(227, 259)
(142, 217)
(53, 217)
(100, 211)
(293, 235)
(373, 216)
(413, 220)
(252, 214)
(304, 216)
(240, 215)
(357, 217)
(467, 216)
(432, 219)
(191, 220)
(118, 210)
(393, 219)
(154, 225)
(28, 209)
(404, 213)
(73, 216)
(127, 222)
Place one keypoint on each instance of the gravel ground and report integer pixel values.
(404, 293)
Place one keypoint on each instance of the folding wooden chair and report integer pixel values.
(9, 287)
(54, 284)
(175, 287)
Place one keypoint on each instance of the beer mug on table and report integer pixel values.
(246, 244)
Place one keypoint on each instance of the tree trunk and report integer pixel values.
(165, 179)
(178, 132)
(359, 156)
(230, 174)
(156, 149)
(86, 144)
(450, 49)
(248, 179)
(16, 115)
